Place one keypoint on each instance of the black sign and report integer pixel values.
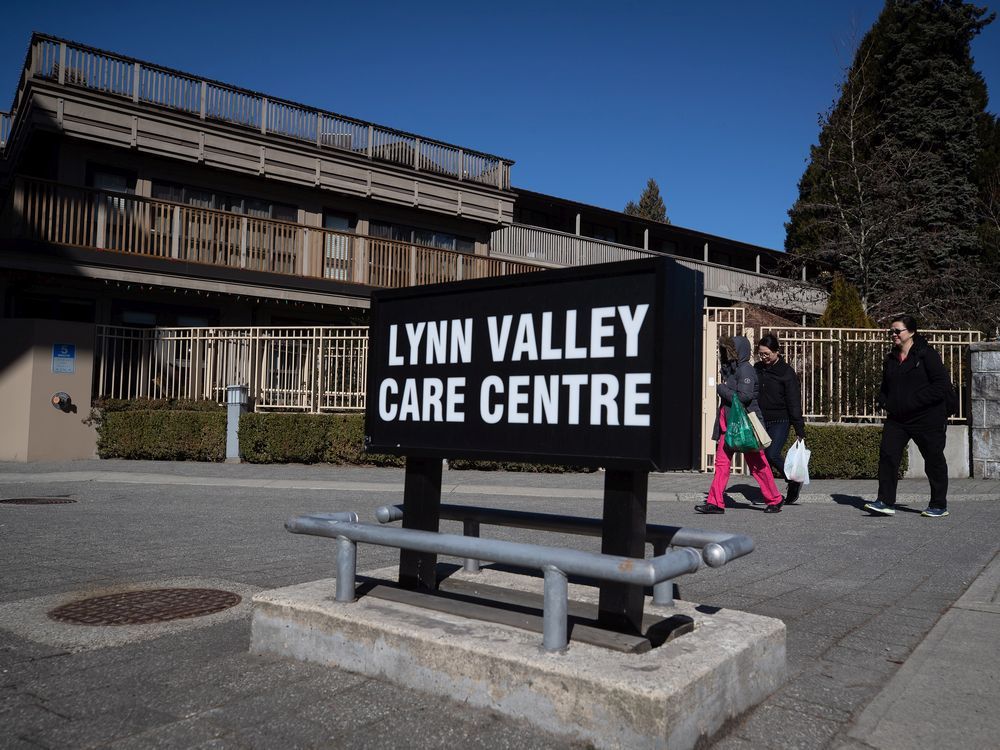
(591, 366)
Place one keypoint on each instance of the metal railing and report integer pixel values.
(718, 547)
(555, 563)
(323, 369)
(311, 370)
(85, 217)
(541, 245)
(840, 369)
(548, 246)
(72, 64)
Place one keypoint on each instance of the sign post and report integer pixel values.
(593, 367)
(422, 511)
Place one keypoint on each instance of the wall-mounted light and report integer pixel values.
(62, 401)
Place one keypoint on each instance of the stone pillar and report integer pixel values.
(985, 408)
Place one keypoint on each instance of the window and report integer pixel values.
(201, 198)
(117, 216)
(148, 315)
(599, 232)
(536, 218)
(28, 305)
(425, 237)
(111, 179)
(337, 245)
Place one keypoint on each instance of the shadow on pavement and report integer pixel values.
(855, 501)
(750, 492)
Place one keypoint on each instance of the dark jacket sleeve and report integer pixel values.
(938, 382)
(793, 403)
(883, 391)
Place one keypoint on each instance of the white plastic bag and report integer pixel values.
(797, 463)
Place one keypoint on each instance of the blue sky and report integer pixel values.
(716, 101)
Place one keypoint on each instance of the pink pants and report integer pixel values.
(760, 470)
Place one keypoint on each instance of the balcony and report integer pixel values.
(70, 216)
(73, 65)
(556, 249)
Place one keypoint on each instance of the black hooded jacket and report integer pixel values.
(739, 379)
(780, 396)
(916, 390)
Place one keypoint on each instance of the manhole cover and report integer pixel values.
(144, 607)
(37, 500)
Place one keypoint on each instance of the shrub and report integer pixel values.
(156, 404)
(843, 451)
(335, 439)
(307, 439)
(162, 435)
(181, 430)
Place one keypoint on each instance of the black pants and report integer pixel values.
(930, 442)
(779, 434)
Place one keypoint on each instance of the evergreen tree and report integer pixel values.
(889, 197)
(987, 179)
(844, 308)
(650, 205)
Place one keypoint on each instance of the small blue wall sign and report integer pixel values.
(64, 358)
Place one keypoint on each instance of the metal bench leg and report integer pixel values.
(663, 592)
(471, 528)
(347, 568)
(554, 628)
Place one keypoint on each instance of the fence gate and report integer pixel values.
(716, 323)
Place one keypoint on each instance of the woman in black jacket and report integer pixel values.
(915, 393)
(781, 403)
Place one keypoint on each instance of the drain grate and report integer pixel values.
(36, 500)
(145, 607)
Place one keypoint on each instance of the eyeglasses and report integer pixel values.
(897, 331)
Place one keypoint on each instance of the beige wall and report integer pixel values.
(31, 429)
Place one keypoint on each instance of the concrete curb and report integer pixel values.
(945, 693)
(449, 489)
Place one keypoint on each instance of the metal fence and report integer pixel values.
(319, 369)
(839, 369)
(309, 370)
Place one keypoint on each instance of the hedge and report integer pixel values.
(843, 451)
(196, 431)
(162, 435)
(307, 439)
(106, 405)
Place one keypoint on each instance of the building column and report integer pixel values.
(985, 409)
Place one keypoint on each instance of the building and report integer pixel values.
(137, 195)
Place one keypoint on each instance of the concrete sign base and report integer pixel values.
(670, 697)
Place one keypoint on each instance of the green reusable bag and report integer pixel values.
(739, 431)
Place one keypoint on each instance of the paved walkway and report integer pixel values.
(888, 644)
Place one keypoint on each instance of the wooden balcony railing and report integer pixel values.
(71, 64)
(540, 245)
(118, 222)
